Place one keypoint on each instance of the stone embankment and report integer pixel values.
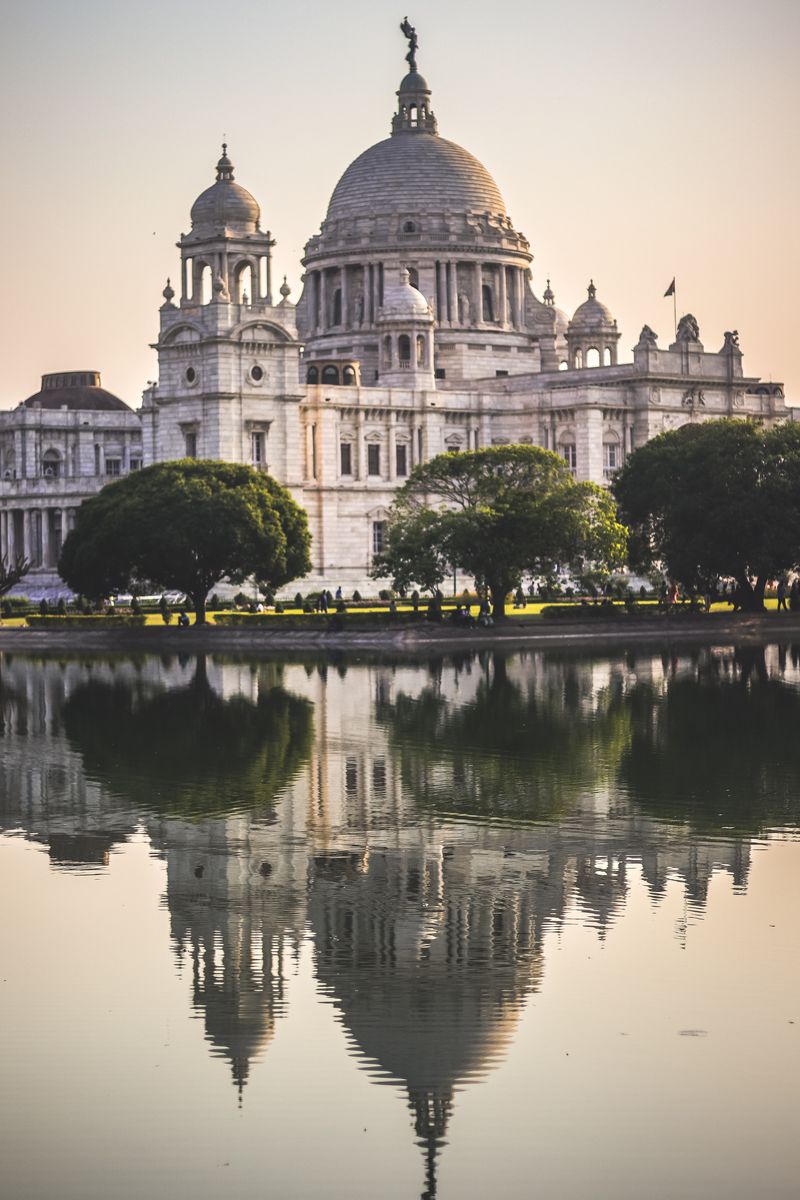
(413, 638)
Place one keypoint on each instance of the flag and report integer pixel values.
(671, 289)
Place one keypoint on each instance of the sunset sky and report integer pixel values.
(632, 141)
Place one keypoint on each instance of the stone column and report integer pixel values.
(392, 464)
(503, 297)
(345, 299)
(45, 519)
(323, 302)
(183, 279)
(11, 535)
(441, 294)
(27, 540)
(452, 290)
(359, 446)
(478, 294)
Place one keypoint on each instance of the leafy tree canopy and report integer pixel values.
(718, 499)
(186, 525)
(496, 513)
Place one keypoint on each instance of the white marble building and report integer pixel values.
(418, 331)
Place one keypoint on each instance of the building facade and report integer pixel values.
(417, 332)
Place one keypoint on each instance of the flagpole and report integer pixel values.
(675, 310)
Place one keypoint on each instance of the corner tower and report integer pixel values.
(420, 202)
(228, 358)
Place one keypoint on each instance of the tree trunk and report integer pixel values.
(498, 592)
(199, 604)
(753, 597)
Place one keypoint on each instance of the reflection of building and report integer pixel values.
(428, 927)
(236, 897)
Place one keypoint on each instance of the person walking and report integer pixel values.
(781, 594)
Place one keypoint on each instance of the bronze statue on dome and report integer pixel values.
(408, 31)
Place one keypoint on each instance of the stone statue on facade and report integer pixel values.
(221, 288)
(688, 329)
(463, 308)
(647, 338)
(408, 31)
(358, 308)
(731, 340)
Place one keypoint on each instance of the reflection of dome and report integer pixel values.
(77, 391)
(415, 171)
(239, 1025)
(592, 315)
(226, 204)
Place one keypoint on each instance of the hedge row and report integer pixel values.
(57, 621)
(351, 620)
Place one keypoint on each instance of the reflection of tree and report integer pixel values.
(719, 748)
(511, 751)
(187, 750)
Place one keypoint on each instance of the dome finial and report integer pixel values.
(168, 292)
(549, 294)
(285, 290)
(225, 166)
(592, 290)
(408, 31)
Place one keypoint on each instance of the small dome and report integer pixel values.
(413, 82)
(402, 300)
(78, 391)
(592, 314)
(226, 204)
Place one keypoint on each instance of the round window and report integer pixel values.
(256, 373)
(191, 375)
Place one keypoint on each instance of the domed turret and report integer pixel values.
(592, 334)
(406, 320)
(226, 204)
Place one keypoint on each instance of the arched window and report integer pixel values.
(337, 307)
(410, 227)
(244, 284)
(312, 375)
(420, 350)
(387, 351)
(349, 376)
(488, 303)
(51, 464)
(413, 277)
(330, 374)
(593, 357)
(188, 268)
(205, 284)
(404, 349)
(563, 366)
(607, 357)
(578, 359)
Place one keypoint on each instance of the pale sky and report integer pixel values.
(632, 140)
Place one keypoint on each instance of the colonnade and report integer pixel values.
(465, 294)
(35, 533)
(229, 268)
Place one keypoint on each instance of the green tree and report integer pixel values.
(496, 513)
(11, 571)
(186, 525)
(718, 499)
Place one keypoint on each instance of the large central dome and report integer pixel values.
(415, 172)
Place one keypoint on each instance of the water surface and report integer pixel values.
(485, 925)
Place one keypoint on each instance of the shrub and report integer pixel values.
(384, 594)
(214, 604)
(278, 606)
(166, 615)
(356, 596)
(73, 621)
(136, 607)
(44, 608)
(61, 607)
(341, 607)
(241, 600)
(298, 599)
